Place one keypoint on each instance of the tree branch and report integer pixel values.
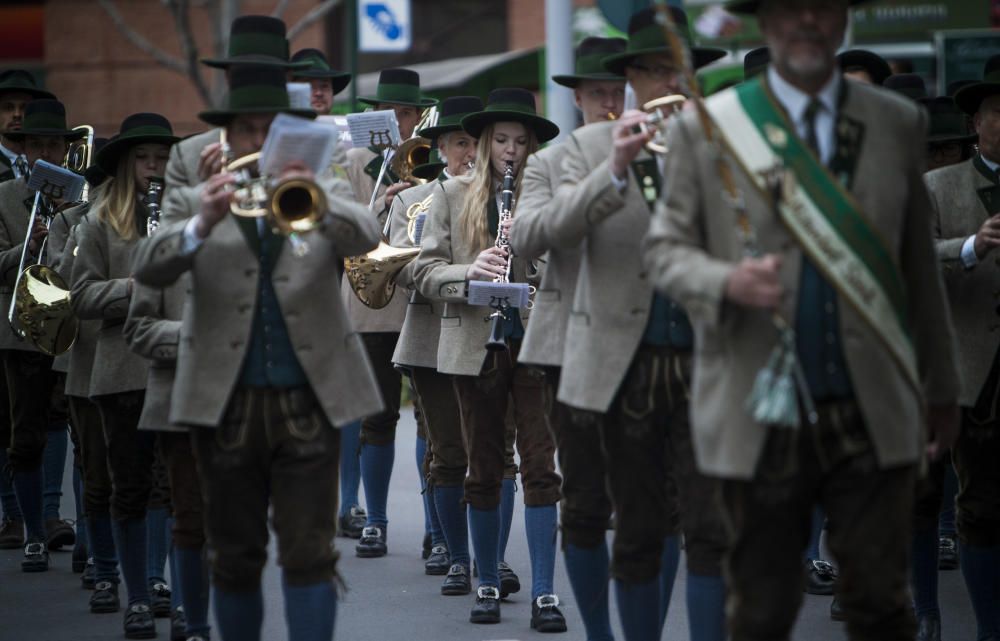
(139, 41)
(182, 20)
(280, 8)
(314, 14)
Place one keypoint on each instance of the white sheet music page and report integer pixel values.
(55, 182)
(293, 139)
(374, 129)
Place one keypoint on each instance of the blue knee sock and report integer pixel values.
(485, 527)
(818, 519)
(157, 544)
(8, 500)
(350, 467)
(310, 611)
(639, 609)
(81, 518)
(706, 604)
(28, 487)
(507, 492)
(981, 568)
(454, 521)
(130, 540)
(239, 614)
(175, 591)
(102, 548)
(668, 573)
(191, 581)
(376, 471)
(437, 532)
(421, 451)
(53, 468)
(540, 527)
(588, 576)
(925, 573)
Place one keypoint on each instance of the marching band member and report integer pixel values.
(758, 229)
(325, 83)
(585, 507)
(457, 247)
(101, 287)
(398, 90)
(266, 367)
(417, 349)
(31, 381)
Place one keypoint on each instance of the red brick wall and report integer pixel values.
(526, 21)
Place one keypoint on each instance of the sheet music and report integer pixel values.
(55, 182)
(299, 95)
(299, 140)
(374, 129)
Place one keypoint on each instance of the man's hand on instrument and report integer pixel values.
(38, 234)
(394, 189)
(296, 170)
(215, 198)
(987, 237)
(490, 263)
(627, 142)
(210, 161)
(755, 283)
(943, 426)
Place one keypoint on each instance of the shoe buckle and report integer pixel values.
(103, 585)
(439, 549)
(488, 592)
(824, 567)
(34, 548)
(502, 565)
(140, 608)
(457, 569)
(371, 532)
(358, 511)
(547, 601)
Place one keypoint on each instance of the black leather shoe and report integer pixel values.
(545, 614)
(178, 625)
(159, 600)
(59, 533)
(105, 598)
(351, 524)
(821, 577)
(80, 555)
(372, 543)
(457, 583)
(929, 628)
(837, 611)
(438, 562)
(36, 557)
(509, 583)
(487, 607)
(87, 578)
(947, 553)
(426, 547)
(139, 623)
(11, 534)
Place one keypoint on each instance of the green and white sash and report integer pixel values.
(818, 211)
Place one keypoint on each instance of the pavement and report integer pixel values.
(387, 599)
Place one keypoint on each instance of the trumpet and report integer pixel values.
(659, 111)
(80, 155)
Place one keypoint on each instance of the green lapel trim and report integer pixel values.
(5, 162)
(374, 167)
(831, 198)
(983, 169)
(647, 176)
(990, 197)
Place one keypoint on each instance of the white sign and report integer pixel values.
(384, 25)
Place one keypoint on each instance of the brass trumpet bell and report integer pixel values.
(294, 205)
(372, 276)
(659, 110)
(409, 155)
(43, 312)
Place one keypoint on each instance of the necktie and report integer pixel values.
(21, 166)
(812, 110)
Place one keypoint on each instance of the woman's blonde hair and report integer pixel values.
(115, 199)
(472, 219)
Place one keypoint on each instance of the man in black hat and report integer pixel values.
(30, 379)
(585, 506)
(273, 368)
(626, 361)
(398, 90)
(967, 202)
(324, 82)
(864, 66)
(17, 88)
(751, 240)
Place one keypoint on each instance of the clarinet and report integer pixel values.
(153, 193)
(496, 341)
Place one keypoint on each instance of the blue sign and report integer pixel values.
(384, 25)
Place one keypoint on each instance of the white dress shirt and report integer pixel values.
(795, 102)
(969, 258)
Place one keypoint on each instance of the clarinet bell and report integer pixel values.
(496, 342)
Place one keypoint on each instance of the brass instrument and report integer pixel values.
(413, 152)
(496, 341)
(40, 310)
(80, 155)
(413, 214)
(153, 194)
(660, 110)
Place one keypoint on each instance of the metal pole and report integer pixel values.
(351, 43)
(559, 107)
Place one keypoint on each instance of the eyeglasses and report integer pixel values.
(658, 72)
(602, 95)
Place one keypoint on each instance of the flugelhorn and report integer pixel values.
(659, 111)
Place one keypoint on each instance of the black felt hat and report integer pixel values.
(646, 35)
(751, 6)
(259, 40)
(955, 85)
(910, 85)
(969, 97)
(874, 64)
(22, 81)
(319, 68)
(755, 62)
(135, 130)
(506, 105)
(398, 87)
(590, 53)
(432, 168)
(254, 89)
(94, 175)
(947, 123)
(450, 114)
(44, 117)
